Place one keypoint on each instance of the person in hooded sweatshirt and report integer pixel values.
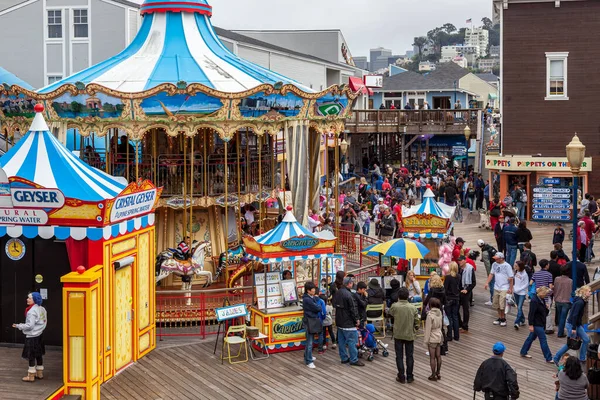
(36, 320)
(375, 295)
(434, 337)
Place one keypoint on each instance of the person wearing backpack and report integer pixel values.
(487, 254)
(520, 201)
(523, 236)
(529, 258)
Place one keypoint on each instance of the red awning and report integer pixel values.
(357, 85)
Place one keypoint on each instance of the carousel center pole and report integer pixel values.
(327, 190)
(260, 197)
(205, 164)
(137, 160)
(184, 220)
(336, 193)
(192, 160)
(226, 198)
(239, 185)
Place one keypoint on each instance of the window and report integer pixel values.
(80, 23)
(556, 76)
(54, 24)
(53, 78)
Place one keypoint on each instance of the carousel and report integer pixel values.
(430, 223)
(289, 256)
(85, 241)
(222, 136)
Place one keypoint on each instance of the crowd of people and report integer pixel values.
(515, 275)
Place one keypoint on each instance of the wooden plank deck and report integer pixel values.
(13, 368)
(177, 370)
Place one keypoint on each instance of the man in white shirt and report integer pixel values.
(503, 276)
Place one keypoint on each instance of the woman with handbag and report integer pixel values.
(312, 321)
(538, 311)
(577, 338)
(496, 207)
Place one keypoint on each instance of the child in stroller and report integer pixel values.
(368, 344)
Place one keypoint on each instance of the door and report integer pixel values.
(16, 281)
(46, 280)
(441, 102)
(123, 317)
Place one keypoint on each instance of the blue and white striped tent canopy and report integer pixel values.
(40, 158)
(10, 79)
(288, 228)
(176, 43)
(429, 207)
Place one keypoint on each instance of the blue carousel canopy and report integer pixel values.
(40, 158)
(430, 206)
(176, 44)
(288, 228)
(10, 79)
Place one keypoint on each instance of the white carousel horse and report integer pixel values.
(166, 265)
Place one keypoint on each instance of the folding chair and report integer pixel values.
(380, 309)
(235, 340)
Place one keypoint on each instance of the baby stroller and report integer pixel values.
(368, 344)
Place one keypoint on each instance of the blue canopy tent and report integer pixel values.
(8, 78)
(429, 207)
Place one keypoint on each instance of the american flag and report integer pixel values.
(469, 21)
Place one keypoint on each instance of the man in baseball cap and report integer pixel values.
(496, 378)
(503, 276)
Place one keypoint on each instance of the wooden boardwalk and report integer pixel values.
(13, 368)
(177, 370)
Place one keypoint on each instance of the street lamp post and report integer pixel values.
(467, 133)
(575, 155)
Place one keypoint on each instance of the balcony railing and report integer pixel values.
(365, 120)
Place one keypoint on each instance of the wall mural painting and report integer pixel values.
(260, 104)
(17, 106)
(330, 105)
(162, 104)
(85, 105)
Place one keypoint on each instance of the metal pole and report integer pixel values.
(336, 192)
(226, 197)
(183, 221)
(574, 255)
(192, 160)
(239, 185)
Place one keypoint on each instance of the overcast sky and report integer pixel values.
(365, 24)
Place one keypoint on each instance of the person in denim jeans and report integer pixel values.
(575, 324)
(346, 320)
(312, 309)
(537, 324)
(520, 292)
(510, 241)
(562, 299)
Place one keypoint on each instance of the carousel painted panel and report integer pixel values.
(331, 105)
(259, 104)
(98, 105)
(162, 104)
(16, 105)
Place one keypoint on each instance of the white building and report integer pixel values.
(426, 66)
(470, 53)
(488, 64)
(478, 37)
(460, 61)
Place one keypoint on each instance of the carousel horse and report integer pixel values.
(167, 264)
(236, 255)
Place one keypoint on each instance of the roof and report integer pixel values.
(442, 78)
(488, 77)
(11, 79)
(176, 44)
(40, 158)
(288, 228)
(252, 41)
(6, 4)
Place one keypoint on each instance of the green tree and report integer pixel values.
(449, 28)
(487, 23)
(420, 42)
(109, 108)
(76, 107)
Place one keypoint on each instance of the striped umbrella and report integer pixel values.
(400, 248)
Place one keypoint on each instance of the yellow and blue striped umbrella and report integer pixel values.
(400, 248)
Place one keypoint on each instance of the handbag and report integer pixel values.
(574, 343)
(313, 325)
(495, 212)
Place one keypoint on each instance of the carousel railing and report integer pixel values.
(192, 313)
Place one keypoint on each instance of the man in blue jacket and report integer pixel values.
(510, 241)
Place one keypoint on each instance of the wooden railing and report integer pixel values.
(399, 119)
